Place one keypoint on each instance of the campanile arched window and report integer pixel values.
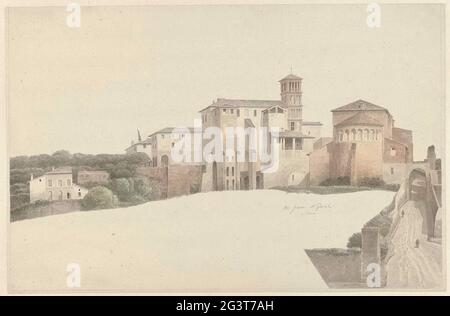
(359, 135)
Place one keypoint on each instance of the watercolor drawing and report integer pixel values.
(260, 148)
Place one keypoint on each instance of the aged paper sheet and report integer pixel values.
(213, 148)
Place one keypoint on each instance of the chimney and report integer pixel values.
(53, 168)
(32, 177)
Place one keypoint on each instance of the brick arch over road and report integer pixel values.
(419, 187)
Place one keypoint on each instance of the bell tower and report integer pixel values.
(291, 96)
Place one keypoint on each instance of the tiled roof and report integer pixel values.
(168, 130)
(92, 172)
(61, 170)
(360, 118)
(360, 105)
(238, 103)
(291, 77)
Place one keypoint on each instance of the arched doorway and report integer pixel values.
(417, 185)
(420, 190)
(214, 176)
(164, 160)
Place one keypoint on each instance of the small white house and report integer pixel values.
(56, 185)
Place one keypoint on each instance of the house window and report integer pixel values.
(68, 195)
(393, 151)
(231, 111)
(293, 177)
(228, 184)
(292, 126)
(79, 194)
(232, 171)
(228, 171)
(392, 170)
(238, 112)
(233, 185)
(288, 144)
(69, 182)
(224, 110)
(60, 183)
(50, 183)
(254, 113)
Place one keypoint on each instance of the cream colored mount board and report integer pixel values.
(223, 148)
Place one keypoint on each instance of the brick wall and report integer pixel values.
(395, 152)
(337, 266)
(156, 178)
(369, 160)
(320, 164)
(370, 251)
(184, 180)
(52, 208)
(175, 180)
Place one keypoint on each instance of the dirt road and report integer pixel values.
(412, 266)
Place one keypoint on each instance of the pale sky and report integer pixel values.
(88, 89)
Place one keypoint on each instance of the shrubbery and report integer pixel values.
(364, 182)
(23, 175)
(355, 241)
(336, 181)
(371, 182)
(32, 206)
(117, 165)
(142, 188)
(137, 199)
(19, 200)
(392, 187)
(99, 198)
(121, 168)
(383, 221)
(122, 188)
